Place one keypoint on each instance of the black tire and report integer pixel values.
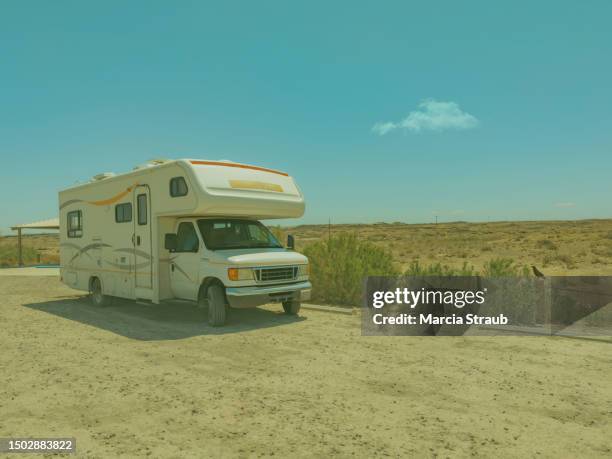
(97, 297)
(292, 307)
(202, 299)
(217, 311)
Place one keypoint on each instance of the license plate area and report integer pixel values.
(280, 297)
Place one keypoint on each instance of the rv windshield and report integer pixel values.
(230, 233)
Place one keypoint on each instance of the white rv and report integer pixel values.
(186, 229)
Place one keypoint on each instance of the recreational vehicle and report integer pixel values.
(184, 229)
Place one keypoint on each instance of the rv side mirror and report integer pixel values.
(290, 242)
(170, 242)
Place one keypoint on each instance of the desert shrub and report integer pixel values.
(548, 260)
(558, 258)
(503, 267)
(496, 267)
(466, 270)
(338, 266)
(438, 269)
(567, 260)
(50, 259)
(546, 244)
(603, 251)
(9, 255)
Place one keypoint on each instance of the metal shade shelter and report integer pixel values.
(51, 224)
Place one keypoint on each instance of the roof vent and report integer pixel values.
(102, 176)
(152, 163)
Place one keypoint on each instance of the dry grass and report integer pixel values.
(556, 247)
(44, 246)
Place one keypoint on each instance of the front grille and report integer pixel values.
(283, 273)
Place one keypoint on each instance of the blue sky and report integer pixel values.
(522, 128)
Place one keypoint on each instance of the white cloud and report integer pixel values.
(432, 115)
(565, 204)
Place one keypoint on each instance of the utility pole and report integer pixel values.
(436, 219)
(329, 229)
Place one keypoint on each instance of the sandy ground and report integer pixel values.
(135, 380)
(29, 271)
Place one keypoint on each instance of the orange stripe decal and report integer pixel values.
(242, 166)
(114, 199)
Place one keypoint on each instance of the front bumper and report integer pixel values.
(250, 297)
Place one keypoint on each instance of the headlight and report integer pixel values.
(239, 274)
(303, 270)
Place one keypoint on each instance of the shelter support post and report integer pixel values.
(19, 247)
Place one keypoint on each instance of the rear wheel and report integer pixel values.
(292, 307)
(217, 311)
(97, 297)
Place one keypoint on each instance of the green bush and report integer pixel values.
(438, 269)
(339, 265)
(9, 255)
(557, 258)
(497, 267)
(503, 267)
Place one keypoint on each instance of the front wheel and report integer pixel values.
(216, 306)
(97, 297)
(292, 307)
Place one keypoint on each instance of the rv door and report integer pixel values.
(185, 265)
(142, 238)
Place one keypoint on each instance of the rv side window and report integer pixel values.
(75, 223)
(178, 187)
(123, 212)
(142, 209)
(187, 238)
